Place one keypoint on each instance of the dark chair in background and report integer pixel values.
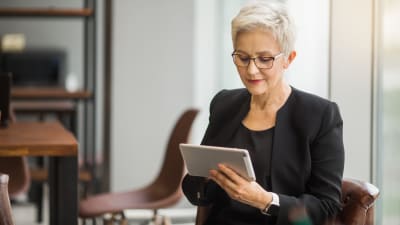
(5, 96)
(16, 167)
(163, 192)
(5, 207)
(358, 198)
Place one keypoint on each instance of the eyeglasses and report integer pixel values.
(262, 62)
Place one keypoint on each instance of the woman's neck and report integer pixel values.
(273, 99)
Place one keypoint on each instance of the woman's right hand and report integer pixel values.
(240, 189)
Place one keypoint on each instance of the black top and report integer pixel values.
(228, 211)
(259, 145)
(307, 158)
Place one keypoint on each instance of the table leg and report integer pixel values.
(63, 182)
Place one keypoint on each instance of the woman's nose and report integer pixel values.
(252, 69)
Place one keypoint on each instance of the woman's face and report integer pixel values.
(259, 44)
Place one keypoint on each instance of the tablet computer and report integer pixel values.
(200, 159)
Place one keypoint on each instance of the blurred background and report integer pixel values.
(166, 56)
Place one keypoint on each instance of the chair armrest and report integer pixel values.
(358, 198)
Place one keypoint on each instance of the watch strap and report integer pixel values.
(272, 206)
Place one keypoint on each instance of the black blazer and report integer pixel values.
(307, 155)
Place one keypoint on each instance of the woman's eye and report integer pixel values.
(244, 58)
(264, 59)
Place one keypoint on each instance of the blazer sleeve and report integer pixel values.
(199, 190)
(323, 188)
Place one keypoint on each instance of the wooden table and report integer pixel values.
(46, 99)
(53, 140)
(47, 93)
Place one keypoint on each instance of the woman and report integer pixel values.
(294, 138)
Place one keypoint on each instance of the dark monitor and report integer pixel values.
(5, 90)
(34, 67)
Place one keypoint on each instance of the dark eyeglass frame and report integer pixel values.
(273, 58)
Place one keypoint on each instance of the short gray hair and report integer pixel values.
(270, 15)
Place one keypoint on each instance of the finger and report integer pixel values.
(222, 180)
(230, 187)
(233, 176)
(214, 177)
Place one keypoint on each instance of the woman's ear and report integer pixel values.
(290, 58)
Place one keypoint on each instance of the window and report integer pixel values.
(389, 152)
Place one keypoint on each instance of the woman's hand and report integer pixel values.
(240, 189)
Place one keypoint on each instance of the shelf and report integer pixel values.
(45, 12)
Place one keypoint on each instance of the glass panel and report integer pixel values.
(390, 154)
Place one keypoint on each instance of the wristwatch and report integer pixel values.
(272, 209)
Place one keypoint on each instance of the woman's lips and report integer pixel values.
(254, 81)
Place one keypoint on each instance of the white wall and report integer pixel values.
(153, 84)
(310, 69)
(205, 80)
(351, 80)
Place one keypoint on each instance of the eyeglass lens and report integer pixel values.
(260, 61)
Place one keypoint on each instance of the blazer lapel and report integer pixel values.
(281, 136)
(226, 131)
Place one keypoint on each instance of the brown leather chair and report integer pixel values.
(18, 170)
(163, 192)
(5, 207)
(358, 198)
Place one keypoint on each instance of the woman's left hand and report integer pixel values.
(240, 189)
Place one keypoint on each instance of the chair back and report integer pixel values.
(168, 181)
(18, 170)
(163, 192)
(5, 206)
(358, 198)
